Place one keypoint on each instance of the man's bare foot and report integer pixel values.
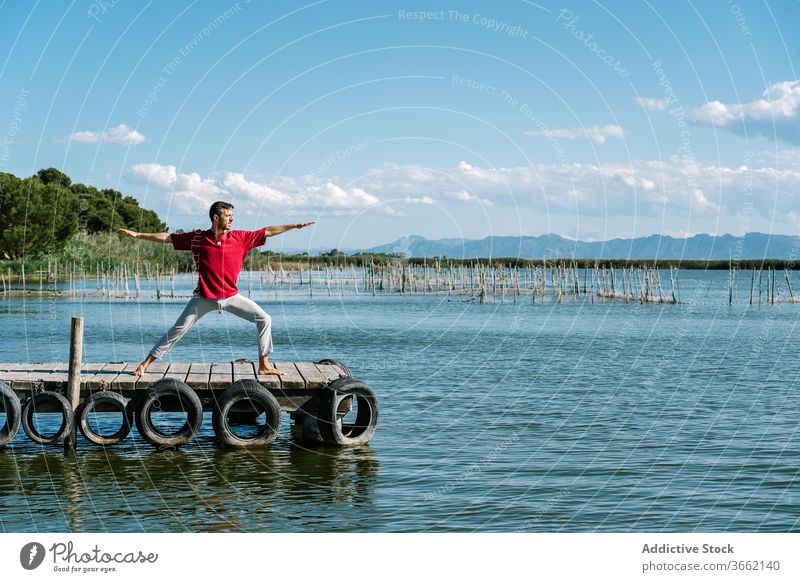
(267, 369)
(270, 371)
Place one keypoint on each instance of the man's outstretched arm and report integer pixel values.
(273, 230)
(162, 237)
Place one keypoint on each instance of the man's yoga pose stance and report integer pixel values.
(218, 255)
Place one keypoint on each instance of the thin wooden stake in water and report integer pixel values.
(74, 383)
(774, 272)
(730, 282)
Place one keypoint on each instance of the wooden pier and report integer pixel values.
(321, 397)
(292, 389)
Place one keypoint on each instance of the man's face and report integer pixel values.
(225, 219)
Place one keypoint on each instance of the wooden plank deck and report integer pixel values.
(243, 371)
(311, 374)
(299, 376)
(177, 370)
(221, 376)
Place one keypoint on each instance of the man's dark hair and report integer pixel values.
(217, 208)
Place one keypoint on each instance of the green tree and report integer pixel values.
(35, 217)
(41, 213)
(50, 175)
(102, 210)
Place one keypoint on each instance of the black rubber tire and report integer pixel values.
(13, 410)
(343, 366)
(260, 397)
(67, 417)
(332, 407)
(114, 399)
(190, 403)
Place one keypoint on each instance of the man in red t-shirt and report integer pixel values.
(218, 255)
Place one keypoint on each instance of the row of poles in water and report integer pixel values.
(477, 281)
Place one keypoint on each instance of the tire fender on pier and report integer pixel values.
(165, 390)
(13, 410)
(333, 362)
(341, 396)
(256, 400)
(47, 401)
(97, 402)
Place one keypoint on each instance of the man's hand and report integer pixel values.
(273, 230)
(126, 232)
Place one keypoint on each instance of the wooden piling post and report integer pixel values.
(774, 272)
(760, 274)
(789, 284)
(730, 284)
(74, 382)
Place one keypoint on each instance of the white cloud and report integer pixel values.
(641, 187)
(465, 196)
(774, 114)
(119, 135)
(191, 190)
(163, 176)
(332, 195)
(423, 200)
(681, 233)
(767, 188)
(653, 104)
(255, 190)
(596, 133)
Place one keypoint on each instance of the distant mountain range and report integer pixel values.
(701, 246)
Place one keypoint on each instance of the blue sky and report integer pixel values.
(383, 119)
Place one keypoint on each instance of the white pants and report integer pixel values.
(199, 306)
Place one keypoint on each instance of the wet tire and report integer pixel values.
(334, 426)
(344, 367)
(251, 395)
(169, 389)
(45, 402)
(13, 411)
(101, 401)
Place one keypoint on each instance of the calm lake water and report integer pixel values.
(579, 416)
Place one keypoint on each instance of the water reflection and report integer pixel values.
(284, 488)
(344, 475)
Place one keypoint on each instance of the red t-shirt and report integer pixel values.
(218, 260)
